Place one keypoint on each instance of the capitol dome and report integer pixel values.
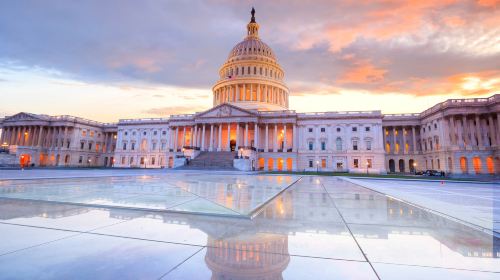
(251, 77)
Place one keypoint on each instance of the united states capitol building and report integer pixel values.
(250, 127)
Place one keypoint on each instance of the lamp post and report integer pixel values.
(241, 152)
(367, 165)
(415, 168)
(317, 166)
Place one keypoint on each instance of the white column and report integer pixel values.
(275, 138)
(256, 136)
(237, 135)
(453, 131)
(176, 140)
(219, 144)
(203, 138)
(491, 128)
(266, 141)
(414, 139)
(258, 92)
(246, 134)
(284, 138)
(211, 145)
(294, 138)
(479, 132)
(403, 131)
(228, 137)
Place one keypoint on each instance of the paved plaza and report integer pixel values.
(131, 224)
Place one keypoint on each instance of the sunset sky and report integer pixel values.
(107, 60)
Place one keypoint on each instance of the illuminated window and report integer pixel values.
(369, 163)
(355, 163)
(323, 163)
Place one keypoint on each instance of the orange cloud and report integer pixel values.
(362, 72)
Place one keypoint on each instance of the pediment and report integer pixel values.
(224, 111)
(23, 117)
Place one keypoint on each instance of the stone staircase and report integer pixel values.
(212, 160)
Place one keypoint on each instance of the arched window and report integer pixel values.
(255, 70)
(338, 143)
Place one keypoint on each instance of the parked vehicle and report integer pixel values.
(430, 172)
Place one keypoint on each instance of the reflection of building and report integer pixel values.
(251, 117)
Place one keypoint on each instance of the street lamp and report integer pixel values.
(367, 165)
(317, 166)
(415, 168)
(241, 152)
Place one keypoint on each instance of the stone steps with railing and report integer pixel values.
(212, 160)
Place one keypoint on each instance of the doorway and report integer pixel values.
(232, 145)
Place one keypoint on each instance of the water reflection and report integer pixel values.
(261, 248)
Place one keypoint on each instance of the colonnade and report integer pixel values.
(400, 139)
(279, 137)
(473, 130)
(251, 92)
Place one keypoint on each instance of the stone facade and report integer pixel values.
(250, 117)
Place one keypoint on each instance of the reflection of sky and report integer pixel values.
(303, 221)
(158, 59)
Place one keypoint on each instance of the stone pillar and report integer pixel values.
(294, 138)
(266, 141)
(219, 144)
(465, 133)
(229, 137)
(203, 138)
(4, 132)
(183, 137)
(414, 139)
(284, 138)
(275, 138)
(453, 131)
(245, 92)
(258, 93)
(246, 134)
(176, 140)
(479, 133)
(211, 145)
(491, 128)
(256, 136)
(394, 139)
(238, 135)
(403, 132)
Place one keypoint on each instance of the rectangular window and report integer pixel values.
(154, 146)
(90, 146)
(153, 160)
(155, 133)
(311, 146)
(367, 129)
(369, 145)
(164, 132)
(310, 163)
(355, 163)
(355, 145)
(80, 159)
(354, 128)
(369, 163)
(142, 160)
(323, 146)
(91, 134)
(123, 160)
(310, 129)
(124, 146)
(82, 144)
(84, 133)
(323, 163)
(323, 129)
(163, 146)
(133, 147)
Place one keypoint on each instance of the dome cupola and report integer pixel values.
(251, 77)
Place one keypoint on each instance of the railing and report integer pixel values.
(191, 148)
(340, 113)
(126, 121)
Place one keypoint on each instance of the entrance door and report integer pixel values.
(232, 145)
(392, 166)
(24, 160)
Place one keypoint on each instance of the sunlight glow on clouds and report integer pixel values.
(128, 59)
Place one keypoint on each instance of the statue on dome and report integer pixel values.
(253, 15)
